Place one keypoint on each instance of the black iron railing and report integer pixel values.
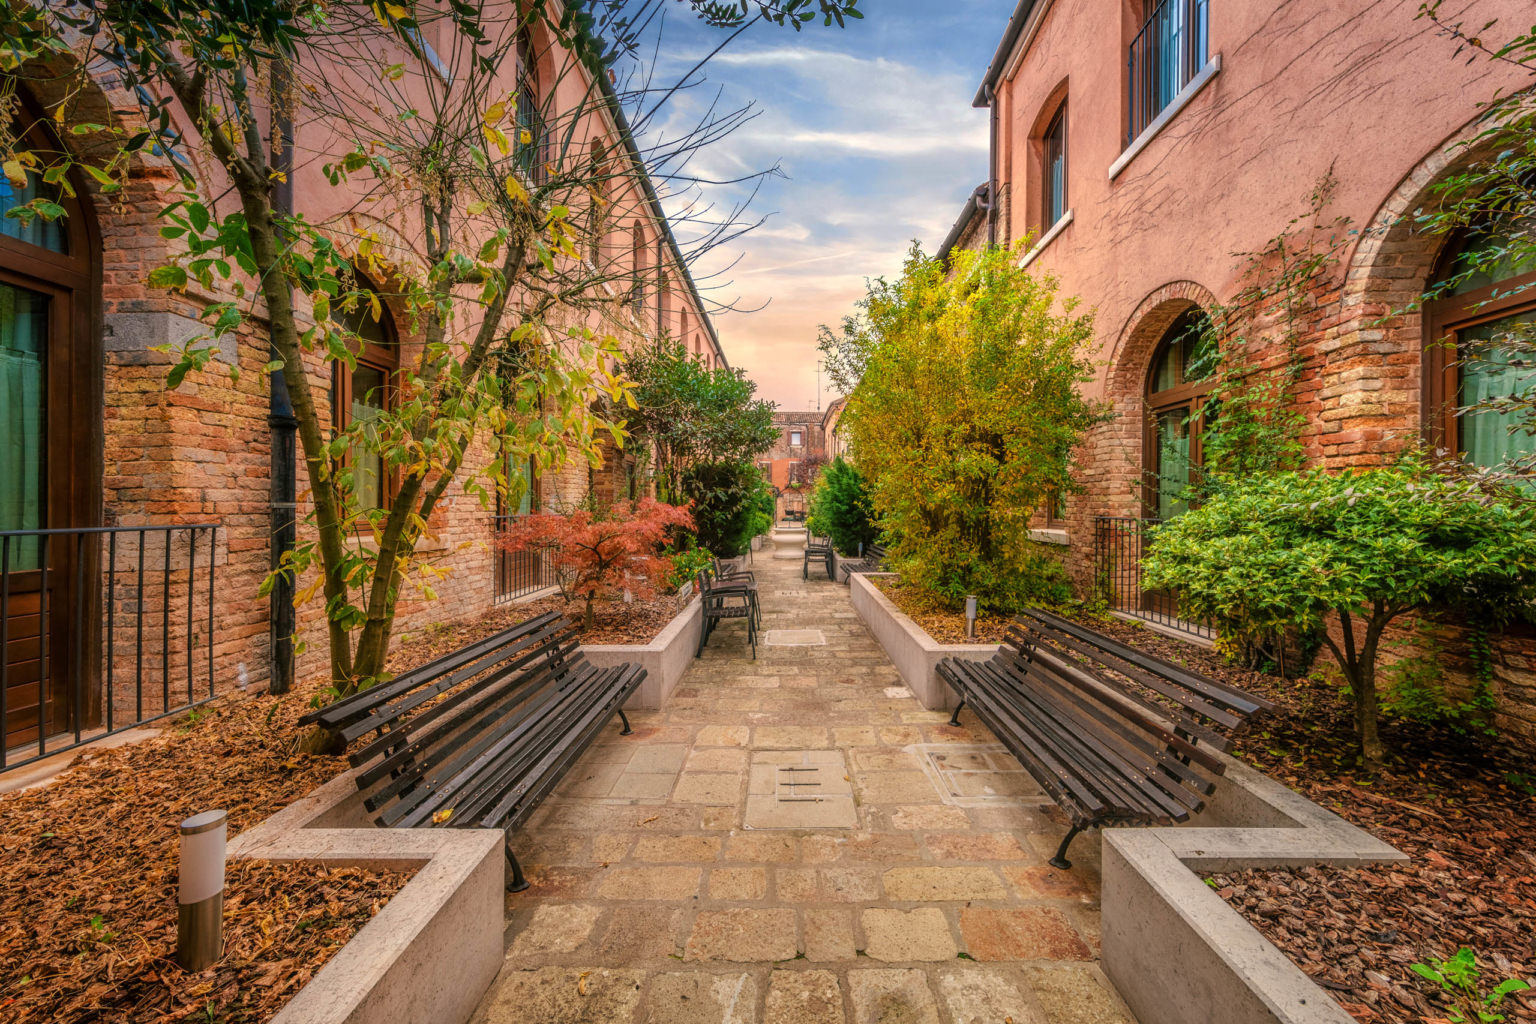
(1118, 545)
(1169, 50)
(101, 629)
(519, 573)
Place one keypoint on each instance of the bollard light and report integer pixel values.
(970, 616)
(200, 896)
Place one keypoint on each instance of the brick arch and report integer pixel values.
(1379, 333)
(1132, 358)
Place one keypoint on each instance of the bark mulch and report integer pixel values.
(944, 626)
(88, 877)
(1462, 807)
(616, 623)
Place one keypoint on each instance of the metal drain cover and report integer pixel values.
(799, 789)
(978, 775)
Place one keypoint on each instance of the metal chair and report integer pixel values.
(727, 601)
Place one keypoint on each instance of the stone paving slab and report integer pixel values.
(653, 901)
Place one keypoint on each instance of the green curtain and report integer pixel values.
(1489, 437)
(367, 461)
(1173, 462)
(23, 349)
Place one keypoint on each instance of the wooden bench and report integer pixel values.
(479, 737)
(873, 561)
(817, 549)
(1114, 735)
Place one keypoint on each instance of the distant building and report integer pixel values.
(800, 452)
(837, 443)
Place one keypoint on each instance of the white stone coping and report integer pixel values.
(915, 654)
(1180, 954)
(1211, 70)
(1050, 535)
(1046, 239)
(664, 659)
(431, 953)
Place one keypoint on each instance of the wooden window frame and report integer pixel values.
(384, 358)
(1057, 122)
(1191, 396)
(1444, 319)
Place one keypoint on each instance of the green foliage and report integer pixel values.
(686, 561)
(1303, 548)
(963, 418)
(1460, 979)
(692, 414)
(763, 506)
(840, 508)
(723, 496)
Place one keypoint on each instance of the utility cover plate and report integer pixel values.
(800, 789)
(794, 638)
(978, 775)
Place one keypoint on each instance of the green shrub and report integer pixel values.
(686, 561)
(1307, 550)
(964, 411)
(840, 508)
(723, 504)
(762, 509)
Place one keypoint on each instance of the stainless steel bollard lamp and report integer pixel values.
(970, 617)
(200, 895)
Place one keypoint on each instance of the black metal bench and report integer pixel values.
(479, 737)
(1114, 735)
(818, 549)
(872, 561)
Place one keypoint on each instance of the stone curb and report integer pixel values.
(664, 659)
(914, 653)
(1175, 950)
(426, 958)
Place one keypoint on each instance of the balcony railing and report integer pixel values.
(519, 573)
(101, 629)
(1168, 51)
(1118, 546)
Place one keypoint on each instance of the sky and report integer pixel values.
(873, 129)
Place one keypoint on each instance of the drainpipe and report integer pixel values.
(281, 618)
(991, 97)
(661, 283)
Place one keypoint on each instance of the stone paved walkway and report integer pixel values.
(652, 901)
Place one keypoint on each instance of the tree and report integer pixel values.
(690, 414)
(1351, 550)
(472, 205)
(840, 508)
(604, 553)
(963, 419)
(723, 497)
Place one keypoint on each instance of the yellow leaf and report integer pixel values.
(14, 173)
(515, 189)
(525, 137)
(441, 816)
(495, 113)
(396, 11)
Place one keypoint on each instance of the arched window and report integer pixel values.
(1465, 362)
(1053, 171)
(532, 142)
(361, 392)
(50, 451)
(637, 263)
(1177, 389)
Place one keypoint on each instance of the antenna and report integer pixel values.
(818, 385)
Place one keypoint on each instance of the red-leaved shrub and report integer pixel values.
(601, 554)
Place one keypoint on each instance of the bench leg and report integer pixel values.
(518, 883)
(626, 730)
(1060, 860)
(954, 719)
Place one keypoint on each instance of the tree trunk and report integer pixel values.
(1371, 747)
(589, 617)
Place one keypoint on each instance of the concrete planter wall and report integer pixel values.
(1176, 951)
(914, 653)
(432, 952)
(664, 659)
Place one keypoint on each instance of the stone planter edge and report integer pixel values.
(915, 654)
(664, 659)
(431, 953)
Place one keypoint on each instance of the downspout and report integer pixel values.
(991, 96)
(281, 617)
(661, 284)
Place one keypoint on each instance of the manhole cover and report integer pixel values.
(978, 775)
(794, 638)
(799, 789)
(895, 692)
